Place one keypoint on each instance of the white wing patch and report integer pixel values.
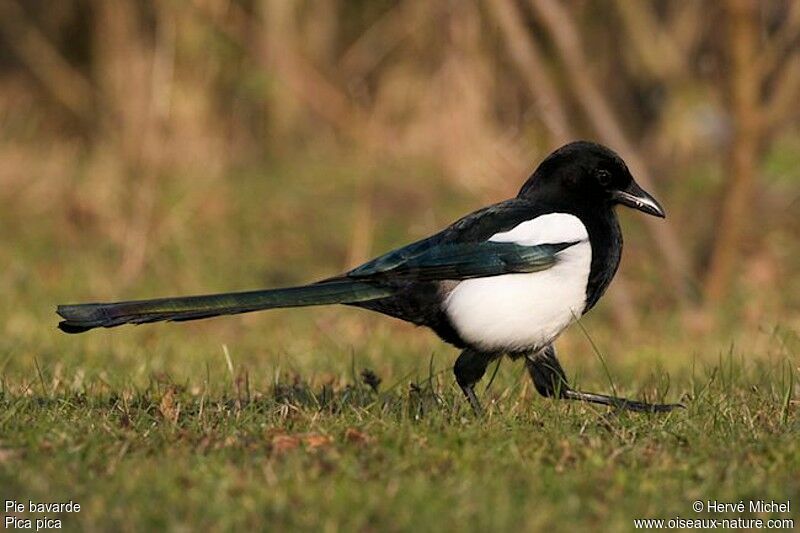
(517, 312)
(546, 229)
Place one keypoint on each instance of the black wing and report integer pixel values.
(463, 251)
(459, 261)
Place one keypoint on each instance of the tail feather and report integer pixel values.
(83, 317)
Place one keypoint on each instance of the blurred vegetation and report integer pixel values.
(120, 120)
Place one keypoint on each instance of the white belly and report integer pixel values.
(518, 312)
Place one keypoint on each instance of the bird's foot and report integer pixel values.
(551, 382)
(620, 403)
(472, 398)
(469, 369)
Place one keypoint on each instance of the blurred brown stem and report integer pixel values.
(65, 84)
(686, 26)
(383, 36)
(782, 105)
(743, 85)
(363, 226)
(655, 49)
(531, 66)
(780, 49)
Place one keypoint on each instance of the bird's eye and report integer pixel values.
(603, 177)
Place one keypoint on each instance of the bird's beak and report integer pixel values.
(637, 198)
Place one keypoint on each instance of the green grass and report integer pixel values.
(154, 426)
(219, 451)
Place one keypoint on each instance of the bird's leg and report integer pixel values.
(551, 381)
(469, 369)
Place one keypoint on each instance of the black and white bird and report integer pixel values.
(506, 279)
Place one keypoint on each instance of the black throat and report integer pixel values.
(605, 237)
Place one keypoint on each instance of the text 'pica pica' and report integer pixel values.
(506, 279)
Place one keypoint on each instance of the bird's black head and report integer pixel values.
(589, 174)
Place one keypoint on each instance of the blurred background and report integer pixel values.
(165, 147)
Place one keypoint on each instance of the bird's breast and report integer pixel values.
(518, 312)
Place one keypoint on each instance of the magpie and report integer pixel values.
(504, 280)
